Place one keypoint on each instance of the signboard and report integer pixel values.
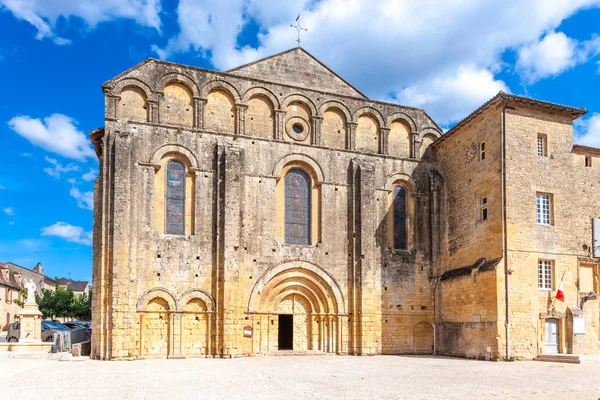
(578, 325)
(247, 331)
(596, 237)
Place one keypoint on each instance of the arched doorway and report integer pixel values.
(423, 338)
(297, 306)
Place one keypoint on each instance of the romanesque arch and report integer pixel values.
(260, 90)
(334, 132)
(154, 307)
(179, 77)
(174, 148)
(219, 84)
(161, 293)
(309, 298)
(193, 294)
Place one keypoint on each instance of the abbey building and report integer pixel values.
(275, 208)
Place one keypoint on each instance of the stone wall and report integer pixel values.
(231, 256)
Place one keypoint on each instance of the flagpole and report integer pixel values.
(561, 279)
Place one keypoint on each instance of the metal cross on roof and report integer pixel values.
(298, 28)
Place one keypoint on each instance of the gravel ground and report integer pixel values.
(293, 378)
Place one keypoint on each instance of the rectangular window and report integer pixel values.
(481, 151)
(483, 211)
(542, 147)
(545, 274)
(544, 209)
(588, 161)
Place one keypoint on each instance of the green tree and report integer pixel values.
(46, 303)
(64, 303)
(21, 303)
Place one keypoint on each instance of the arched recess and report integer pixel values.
(162, 293)
(400, 138)
(177, 105)
(260, 116)
(189, 295)
(132, 104)
(291, 276)
(423, 338)
(219, 84)
(368, 110)
(302, 99)
(298, 164)
(220, 110)
(367, 135)
(121, 84)
(299, 158)
(167, 214)
(401, 212)
(334, 126)
(259, 90)
(180, 78)
(402, 117)
(426, 141)
(174, 148)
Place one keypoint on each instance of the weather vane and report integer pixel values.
(298, 28)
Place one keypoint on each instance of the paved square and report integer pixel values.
(327, 377)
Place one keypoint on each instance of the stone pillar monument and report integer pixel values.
(30, 317)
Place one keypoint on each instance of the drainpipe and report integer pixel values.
(505, 250)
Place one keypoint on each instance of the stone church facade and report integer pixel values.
(275, 208)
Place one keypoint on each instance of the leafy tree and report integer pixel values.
(64, 303)
(21, 303)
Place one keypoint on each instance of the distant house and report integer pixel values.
(10, 289)
(77, 287)
(36, 274)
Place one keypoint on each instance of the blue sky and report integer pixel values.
(447, 57)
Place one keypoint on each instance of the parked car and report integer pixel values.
(76, 324)
(48, 330)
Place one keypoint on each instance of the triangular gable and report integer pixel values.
(297, 67)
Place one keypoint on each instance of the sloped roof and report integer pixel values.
(297, 67)
(12, 281)
(574, 112)
(75, 286)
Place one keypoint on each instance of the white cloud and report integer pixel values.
(43, 14)
(452, 97)
(9, 211)
(58, 168)
(588, 131)
(70, 233)
(26, 154)
(90, 175)
(11, 223)
(382, 47)
(56, 133)
(84, 200)
(554, 54)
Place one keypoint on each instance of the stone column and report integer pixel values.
(279, 124)
(351, 132)
(416, 145)
(316, 130)
(176, 331)
(111, 103)
(240, 125)
(384, 134)
(200, 104)
(153, 111)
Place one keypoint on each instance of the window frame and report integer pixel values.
(287, 239)
(539, 220)
(482, 151)
(404, 218)
(542, 145)
(588, 161)
(166, 194)
(482, 209)
(543, 265)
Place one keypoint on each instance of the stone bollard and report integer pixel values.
(76, 350)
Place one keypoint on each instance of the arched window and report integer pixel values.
(175, 198)
(400, 241)
(297, 207)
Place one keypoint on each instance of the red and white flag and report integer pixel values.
(560, 293)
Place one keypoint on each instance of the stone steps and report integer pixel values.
(559, 358)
